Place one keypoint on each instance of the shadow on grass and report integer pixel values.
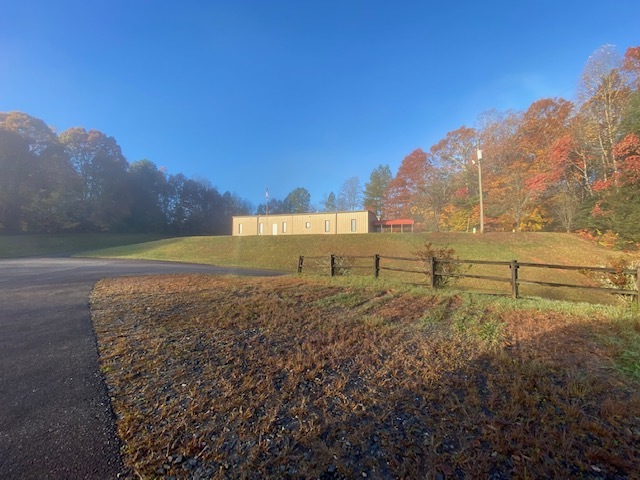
(228, 378)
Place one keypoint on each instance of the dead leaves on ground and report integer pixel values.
(232, 377)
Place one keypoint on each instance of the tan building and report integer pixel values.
(305, 223)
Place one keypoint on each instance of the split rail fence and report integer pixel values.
(436, 271)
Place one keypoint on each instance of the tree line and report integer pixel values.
(79, 181)
(559, 165)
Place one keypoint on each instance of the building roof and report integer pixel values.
(398, 221)
(304, 213)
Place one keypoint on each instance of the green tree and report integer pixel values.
(37, 184)
(148, 191)
(375, 188)
(298, 201)
(102, 167)
(329, 204)
(631, 118)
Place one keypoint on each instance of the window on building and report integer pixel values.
(284, 227)
(260, 227)
(240, 229)
(307, 225)
(353, 225)
(327, 225)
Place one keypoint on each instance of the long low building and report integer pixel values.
(305, 223)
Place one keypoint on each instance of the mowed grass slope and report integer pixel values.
(16, 246)
(214, 377)
(281, 253)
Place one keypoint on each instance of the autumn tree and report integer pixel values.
(375, 189)
(455, 155)
(435, 194)
(519, 184)
(618, 206)
(631, 65)
(403, 191)
(603, 97)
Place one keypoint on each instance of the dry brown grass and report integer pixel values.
(297, 378)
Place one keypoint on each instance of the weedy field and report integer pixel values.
(214, 377)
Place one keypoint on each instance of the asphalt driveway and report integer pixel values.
(55, 416)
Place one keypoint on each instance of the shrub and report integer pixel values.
(440, 253)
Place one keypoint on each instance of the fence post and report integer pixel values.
(300, 260)
(432, 271)
(376, 266)
(514, 278)
(332, 265)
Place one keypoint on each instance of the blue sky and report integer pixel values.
(286, 94)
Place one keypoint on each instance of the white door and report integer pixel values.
(274, 229)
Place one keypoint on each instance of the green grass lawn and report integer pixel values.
(15, 246)
(281, 253)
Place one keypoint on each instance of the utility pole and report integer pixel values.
(479, 156)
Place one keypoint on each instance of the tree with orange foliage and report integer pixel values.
(403, 191)
(454, 156)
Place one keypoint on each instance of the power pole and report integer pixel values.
(479, 156)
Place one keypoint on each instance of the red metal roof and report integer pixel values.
(399, 221)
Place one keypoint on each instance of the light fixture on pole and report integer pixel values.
(479, 157)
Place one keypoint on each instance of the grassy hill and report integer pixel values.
(15, 246)
(281, 253)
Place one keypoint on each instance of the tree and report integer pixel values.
(403, 191)
(298, 201)
(631, 119)
(34, 131)
(276, 207)
(455, 154)
(375, 189)
(603, 97)
(350, 195)
(195, 207)
(102, 167)
(631, 65)
(148, 192)
(235, 205)
(329, 203)
(435, 195)
(37, 183)
(16, 161)
(519, 184)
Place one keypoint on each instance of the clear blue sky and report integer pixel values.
(250, 94)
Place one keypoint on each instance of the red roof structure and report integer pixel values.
(401, 222)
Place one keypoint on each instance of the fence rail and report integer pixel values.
(435, 271)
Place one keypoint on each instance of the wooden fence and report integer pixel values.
(436, 271)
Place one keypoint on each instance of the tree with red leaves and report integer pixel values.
(403, 191)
